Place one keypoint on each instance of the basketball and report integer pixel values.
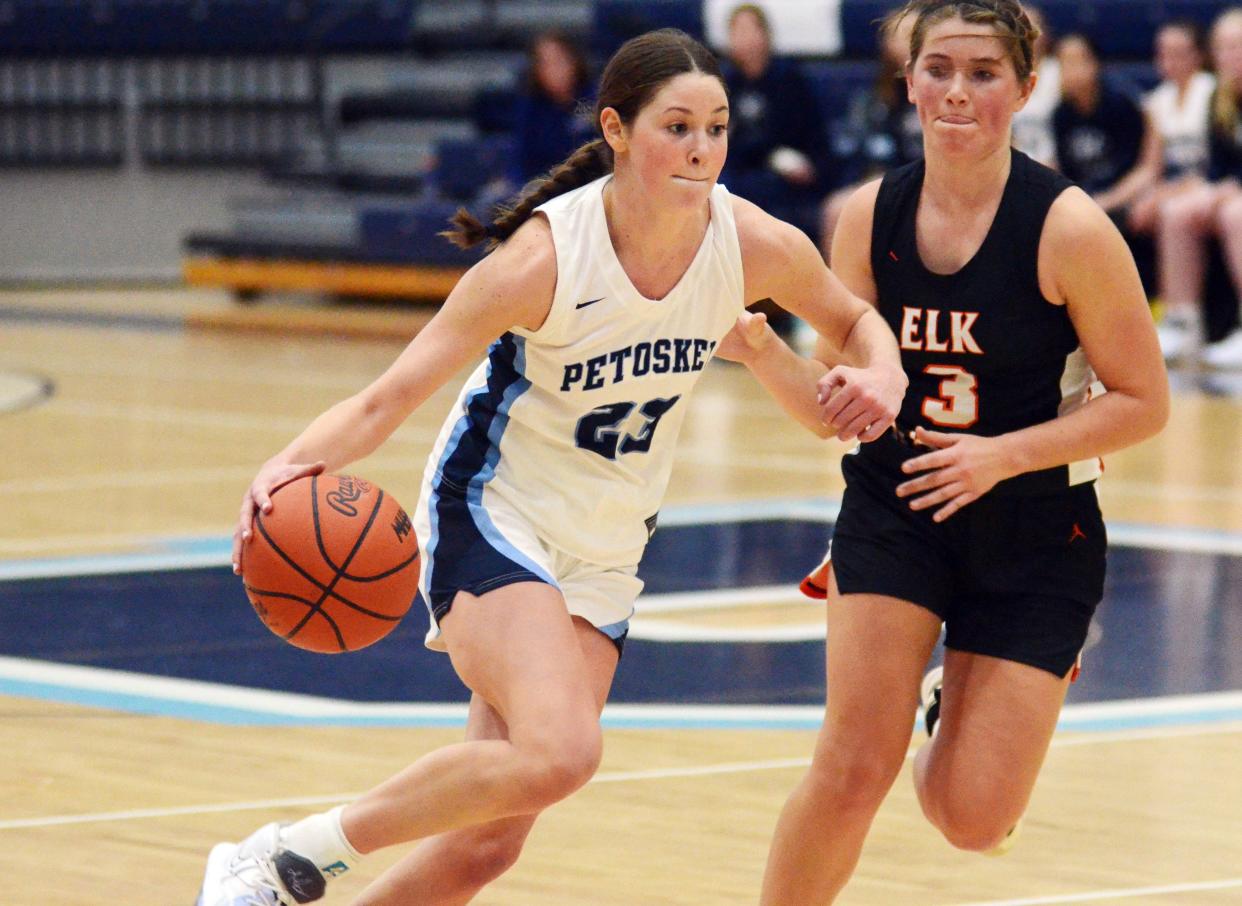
(334, 566)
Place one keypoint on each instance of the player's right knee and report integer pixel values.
(975, 831)
(977, 818)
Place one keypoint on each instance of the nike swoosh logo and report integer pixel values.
(589, 302)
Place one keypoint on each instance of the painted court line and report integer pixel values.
(238, 705)
(255, 805)
(1118, 894)
(705, 770)
(684, 602)
(660, 631)
(164, 553)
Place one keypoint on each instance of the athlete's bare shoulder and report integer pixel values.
(520, 274)
(859, 209)
(773, 251)
(851, 242)
(530, 252)
(1079, 240)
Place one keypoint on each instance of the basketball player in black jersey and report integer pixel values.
(1011, 294)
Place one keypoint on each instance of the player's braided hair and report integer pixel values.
(632, 77)
(589, 162)
(1006, 16)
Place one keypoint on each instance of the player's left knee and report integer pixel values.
(975, 826)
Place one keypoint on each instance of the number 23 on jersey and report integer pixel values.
(600, 429)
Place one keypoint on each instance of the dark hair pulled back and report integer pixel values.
(633, 76)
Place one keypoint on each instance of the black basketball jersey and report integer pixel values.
(985, 352)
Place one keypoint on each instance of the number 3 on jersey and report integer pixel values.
(598, 432)
(958, 403)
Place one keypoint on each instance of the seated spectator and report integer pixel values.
(1105, 143)
(1178, 108)
(1211, 208)
(881, 130)
(553, 113)
(778, 151)
(1032, 125)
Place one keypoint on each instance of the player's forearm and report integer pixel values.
(791, 380)
(344, 433)
(1108, 423)
(355, 427)
(871, 344)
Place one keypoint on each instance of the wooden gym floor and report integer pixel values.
(147, 715)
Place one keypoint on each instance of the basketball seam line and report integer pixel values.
(317, 607)
(320, 586)
(329, 589)
(301, 600)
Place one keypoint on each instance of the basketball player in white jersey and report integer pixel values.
(601, 312)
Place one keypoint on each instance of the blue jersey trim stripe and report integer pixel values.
(473, 452)
(509, 358)
(615, 631)
(433, 504)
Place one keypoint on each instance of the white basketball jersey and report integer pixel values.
(1184, 126)
(575, 424)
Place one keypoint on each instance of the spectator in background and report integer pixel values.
(1212, 207)
(1178, 109)
(1032, 125)
(550, 123)
(778, 151)
(881, 130)
(1105, 143)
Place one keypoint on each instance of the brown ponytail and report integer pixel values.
(632, 77)
(588, 163)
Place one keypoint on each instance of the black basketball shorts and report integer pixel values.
(1016, 577)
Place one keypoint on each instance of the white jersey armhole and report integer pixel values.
(726, 234)
(554, 323)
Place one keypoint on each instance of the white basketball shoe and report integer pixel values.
(259, 872)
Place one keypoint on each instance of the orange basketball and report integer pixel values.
(334, 566)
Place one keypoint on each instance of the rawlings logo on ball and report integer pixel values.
(349, 491)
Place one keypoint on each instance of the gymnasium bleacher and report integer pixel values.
(371, 120)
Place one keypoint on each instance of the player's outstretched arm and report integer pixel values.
(513, 286)
(854, 386)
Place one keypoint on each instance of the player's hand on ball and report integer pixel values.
(861, 403)
(749, 337)
(258, 498)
